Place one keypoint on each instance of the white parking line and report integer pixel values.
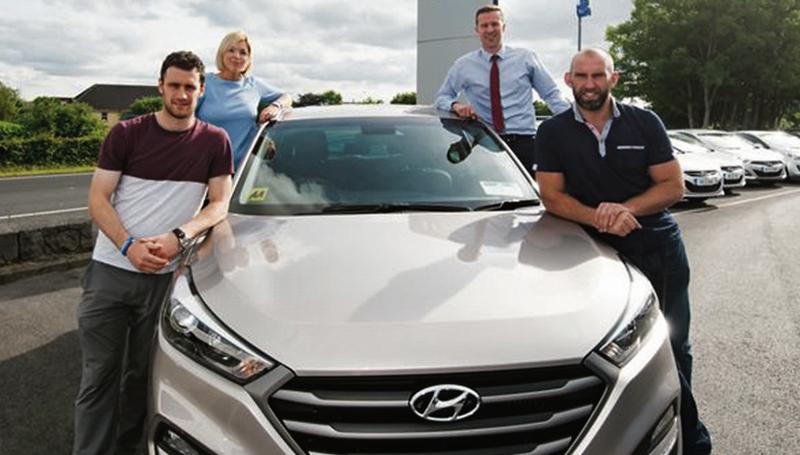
(44, 176)
(744, 201)
(49, 212)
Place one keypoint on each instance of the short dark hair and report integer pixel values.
(185, 60)
(488, 9)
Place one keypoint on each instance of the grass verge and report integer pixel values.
(19, 171)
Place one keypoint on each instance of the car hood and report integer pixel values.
(754, 154)
(721, 158)
(697, 162)
(412, 291)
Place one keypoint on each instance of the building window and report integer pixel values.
(104, 116)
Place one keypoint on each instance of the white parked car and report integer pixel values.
(760, 164)
(702, 176)
(732, 167)
(782, 142)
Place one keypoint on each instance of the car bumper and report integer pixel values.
(759, 175)
(793, 168)
(214, 415)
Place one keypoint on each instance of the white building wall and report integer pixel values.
(445, 31)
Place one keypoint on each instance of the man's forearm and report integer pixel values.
(568, 207)
(211, 214)
(657, 198)
(107, 220)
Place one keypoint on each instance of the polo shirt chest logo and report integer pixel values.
(630, 147)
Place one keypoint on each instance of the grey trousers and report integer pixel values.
(117, 317)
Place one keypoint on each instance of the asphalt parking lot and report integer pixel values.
(743, 249)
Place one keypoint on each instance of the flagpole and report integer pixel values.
(580, 21)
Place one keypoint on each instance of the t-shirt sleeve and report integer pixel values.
(660, 148)
(114, 151)
(267, 92)
(222, 158)
(546, 158)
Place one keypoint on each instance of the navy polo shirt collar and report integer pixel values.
(601, 141)
(615, 113)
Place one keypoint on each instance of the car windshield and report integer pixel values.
(780, 139)
(684, 146)
(726, 141)
(382, 164)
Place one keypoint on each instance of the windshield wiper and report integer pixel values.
(393, 208)
(509, 204)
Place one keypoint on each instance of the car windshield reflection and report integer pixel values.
(379, 165)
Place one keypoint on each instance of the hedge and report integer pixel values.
(9, 130)
(46, 150)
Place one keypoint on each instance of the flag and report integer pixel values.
(583, 8)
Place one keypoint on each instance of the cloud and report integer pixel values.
(59, 47)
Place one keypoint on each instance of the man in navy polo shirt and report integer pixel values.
(609, 166)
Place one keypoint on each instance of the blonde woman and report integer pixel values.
(232, 95)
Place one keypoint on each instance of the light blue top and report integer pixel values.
(520, 71)
(232, 106)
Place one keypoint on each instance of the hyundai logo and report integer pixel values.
(445, 403)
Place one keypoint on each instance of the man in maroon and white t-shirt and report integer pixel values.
(146, 194)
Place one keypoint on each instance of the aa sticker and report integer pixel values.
(258, 195)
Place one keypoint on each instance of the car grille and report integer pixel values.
(701, 173)
(768, 174)
(703, 188)
(539, 411)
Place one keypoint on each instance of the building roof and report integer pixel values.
(114, 97)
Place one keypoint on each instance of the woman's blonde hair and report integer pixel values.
(229, 40)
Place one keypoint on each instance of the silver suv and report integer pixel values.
(388, 283)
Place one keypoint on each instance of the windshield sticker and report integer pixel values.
(501, 189)
(258, 194)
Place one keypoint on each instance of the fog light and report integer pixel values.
(663, 437)
(170, 442)
(663, 426)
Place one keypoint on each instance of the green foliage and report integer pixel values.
(11, 130)
(541, 108)
(331, 98)
(404, 98)
(142, 106)
(724, 63)
(49, 116)
(49, 150)
(327, 98)
(10, 103)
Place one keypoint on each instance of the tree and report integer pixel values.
(541, 108)
(726, 63)
(143, 105)
(405, 98)
(10, 103)
(46, 115)
(327, 98)
(331, 98)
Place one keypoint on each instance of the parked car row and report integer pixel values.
(715, 161)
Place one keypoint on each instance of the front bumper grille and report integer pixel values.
(703, 188)
(540, 411)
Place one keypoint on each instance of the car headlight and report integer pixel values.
(640, 316)
(191, 329)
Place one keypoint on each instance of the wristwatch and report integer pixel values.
(183, 239)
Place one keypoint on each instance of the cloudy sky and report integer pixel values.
(360, 48)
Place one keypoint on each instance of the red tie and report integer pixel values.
(494, 90)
